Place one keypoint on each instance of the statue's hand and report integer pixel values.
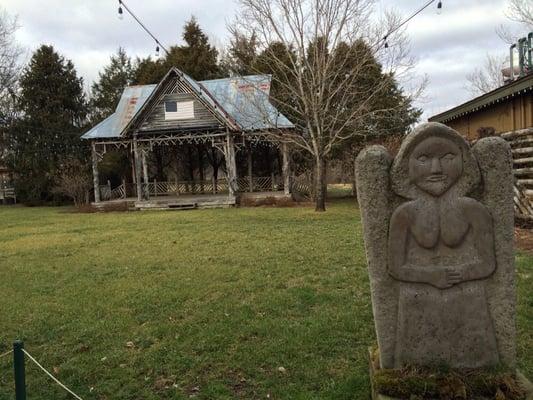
(439, 278)
(453, 276)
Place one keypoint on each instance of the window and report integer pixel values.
(179, 110)
(171, 106)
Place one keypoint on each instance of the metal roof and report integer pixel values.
(515, 88)
(132, 99)
(245, 99)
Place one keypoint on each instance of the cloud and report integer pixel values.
(448, 46)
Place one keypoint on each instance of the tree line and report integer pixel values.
(333, 87)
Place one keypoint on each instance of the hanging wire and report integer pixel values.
(122, 4)
(439, 8)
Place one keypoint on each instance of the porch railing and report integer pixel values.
(154, 189)
(260, 184)
(8, 193)
(176, 188)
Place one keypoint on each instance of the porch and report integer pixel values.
(182, 195)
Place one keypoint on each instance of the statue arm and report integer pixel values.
(483, 238)
(399, 269)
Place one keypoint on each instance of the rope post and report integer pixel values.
(20, 374)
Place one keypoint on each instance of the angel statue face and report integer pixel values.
(435, 165)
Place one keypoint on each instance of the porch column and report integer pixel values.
(250, 176)
(231, 166)
(145, 166)
(286, 168)
(96, 178)
(137, 157)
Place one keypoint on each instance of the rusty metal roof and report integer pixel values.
(245, 99)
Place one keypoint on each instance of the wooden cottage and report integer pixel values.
(230, 115)
(507, 112)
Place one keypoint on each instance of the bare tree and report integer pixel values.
(488, 77)
(9, 69)
(323, 57)
(521, 11)
(9, 53)
(74, 181)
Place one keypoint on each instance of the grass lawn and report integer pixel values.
(215, 304)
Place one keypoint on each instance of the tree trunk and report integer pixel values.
(320, 184)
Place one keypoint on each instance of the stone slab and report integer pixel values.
(438, 229)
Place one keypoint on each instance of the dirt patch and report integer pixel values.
(524, 239)
(268, 201)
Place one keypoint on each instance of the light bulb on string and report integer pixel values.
(157, 52)
(385, 43)
(439, 8)
(120, 12)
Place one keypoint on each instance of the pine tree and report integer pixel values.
(106, 92)
(53, 111)
(197, 58)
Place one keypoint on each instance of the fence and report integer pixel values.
(176, 188)
(19, 369)
(8, 193)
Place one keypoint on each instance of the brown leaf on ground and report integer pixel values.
(163, 382)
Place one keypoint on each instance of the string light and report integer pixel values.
(439, 9)
(157, 51)
(120, 12)
(120, 15)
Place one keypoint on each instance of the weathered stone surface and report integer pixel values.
(440, 258)
(495, 162)
(375, 197)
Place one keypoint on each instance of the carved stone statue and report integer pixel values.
(438, 226)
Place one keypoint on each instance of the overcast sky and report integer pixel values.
(447, 46)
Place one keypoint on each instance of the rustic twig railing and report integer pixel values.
(154, 189)
(521, 142)
(8, 193)
(177, 188)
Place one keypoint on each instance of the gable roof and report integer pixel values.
(514, 88)
(241, 104)
(246, 99)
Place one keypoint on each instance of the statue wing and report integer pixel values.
(495, 163)
(376, 202)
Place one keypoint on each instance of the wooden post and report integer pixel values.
(96, 178)
(20, 374)
(286, 169)
(155, 187)
(273, 181)
(250, 164)
(145, 166)
(213, 180)
(137, 168)
(231, 166)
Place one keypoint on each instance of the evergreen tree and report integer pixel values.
(197, 58)
(106, 92)
(241, 54)
(53, 110)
